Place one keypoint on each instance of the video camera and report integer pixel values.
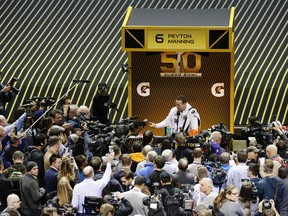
(12, 83)
(254, 193)
(101, 135)
(112, 200)
(194, 142)
(256, 129)
(266, 204)
(154, 202)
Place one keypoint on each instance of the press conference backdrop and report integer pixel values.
(48, 43)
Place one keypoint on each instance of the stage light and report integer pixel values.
(125, 68)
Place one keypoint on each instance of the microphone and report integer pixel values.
(178, 113)
(84, 81)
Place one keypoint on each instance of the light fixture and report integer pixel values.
(125, 68)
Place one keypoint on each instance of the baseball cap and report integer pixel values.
(165, 176)
(252, 149)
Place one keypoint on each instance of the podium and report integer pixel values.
(180, 52)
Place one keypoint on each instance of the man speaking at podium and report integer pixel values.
(182, 118)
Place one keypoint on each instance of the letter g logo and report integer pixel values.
(218, 89)
(143, 89)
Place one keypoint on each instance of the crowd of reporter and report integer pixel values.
(59, 172)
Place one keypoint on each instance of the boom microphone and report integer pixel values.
(84, 81)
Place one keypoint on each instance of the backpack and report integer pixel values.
(28, 156)
(172, 203)
(14, 180)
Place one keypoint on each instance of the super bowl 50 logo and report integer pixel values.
(181, 64)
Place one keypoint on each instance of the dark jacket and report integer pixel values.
(184, 177)
(30, 195)
(171, 190)
(183, 151)
(51, 180)
(9, 152)
(267, 187)
(112, 186)
(284, 204)
(5, 190)
(37, 156)
(124, 209)
(5, 97)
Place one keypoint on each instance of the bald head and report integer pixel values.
(216, 136)
(3, 121)
(183, 164)
(271, 150)
(206, 185)
(88, 172)
(146, 149)
(207, 182)
(13, 201)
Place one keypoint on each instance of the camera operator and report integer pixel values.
(248, 197)
(279, 131)
(216, 139)
(70, 114)
(271, 187)
(181, 118)
(102, 103)
(121, 205)
(6, 94)
(181, 149)
(268, 211)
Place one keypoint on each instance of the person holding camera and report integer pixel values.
(271, 187)
(6, 94)
(267, 207)
(102, 104)
(248, 198)
(122, 206)
(181, 118)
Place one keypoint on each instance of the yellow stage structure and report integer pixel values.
(180, 52)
